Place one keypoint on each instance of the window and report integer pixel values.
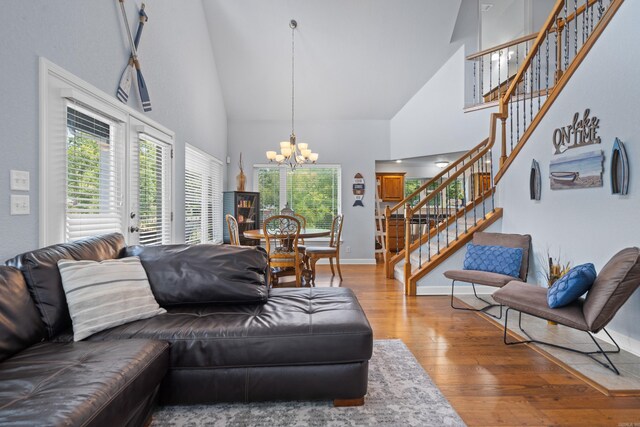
(311, 191)
(94, 165)
(203, 197)
(454, 191)
(105, 167)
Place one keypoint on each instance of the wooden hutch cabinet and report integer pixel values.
(391, 186)
(245, 207)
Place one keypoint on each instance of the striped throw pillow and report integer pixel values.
(101, 295)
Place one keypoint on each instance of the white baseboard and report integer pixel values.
(350, 261)
(625, 342)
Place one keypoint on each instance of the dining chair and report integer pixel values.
(281, 233)
(234, 232)
(314, 253)
(303, 224)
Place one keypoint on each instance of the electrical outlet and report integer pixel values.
(19, 180)
(348, 249)
(19, 205)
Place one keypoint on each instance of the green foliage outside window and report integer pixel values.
(83, 173)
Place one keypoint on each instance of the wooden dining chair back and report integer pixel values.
(234, 231)
(314, 253)
(281, 233)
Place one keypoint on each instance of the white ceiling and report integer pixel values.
(355, 59)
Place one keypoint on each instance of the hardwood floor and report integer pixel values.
(487, 383)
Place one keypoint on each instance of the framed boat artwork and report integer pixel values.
(619, 169)
(535, 181)
(579, 171)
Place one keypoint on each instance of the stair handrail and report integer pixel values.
(554, 23)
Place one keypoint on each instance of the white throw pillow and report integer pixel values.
(101, 295)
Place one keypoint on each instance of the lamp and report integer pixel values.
(442, 164)
(292, 154)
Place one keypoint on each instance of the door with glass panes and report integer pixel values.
(150, 215)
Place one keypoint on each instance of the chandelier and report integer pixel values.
(292, 154)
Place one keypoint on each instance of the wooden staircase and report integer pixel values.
(460, 200)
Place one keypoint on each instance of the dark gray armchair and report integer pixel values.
(491, 279)
(613, 286)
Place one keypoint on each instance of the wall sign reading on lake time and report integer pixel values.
(579, 133)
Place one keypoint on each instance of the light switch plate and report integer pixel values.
(19, 180)
(20, 204)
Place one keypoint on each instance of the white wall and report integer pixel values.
(588, 225)
(355, 144)
(433, 121)
(88, 39)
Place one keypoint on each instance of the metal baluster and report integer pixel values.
(419, 239)
(600, 10)
(456, 208)
(524, 98)
(464, 194)
(547, 61)
(428, 227)
(446, 206)
(499, 72)
(438, 219)
(539, 83)
(517, 99)
(591, 20)
(474, 184)
(493, 203)
(585, 19)
(575, 27)
(532, 67)
(566, 38)
(475, 61)
(490, 77)
(481, 94)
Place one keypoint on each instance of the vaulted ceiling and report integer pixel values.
(355, 59)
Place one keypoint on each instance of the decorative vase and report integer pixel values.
(241, 180)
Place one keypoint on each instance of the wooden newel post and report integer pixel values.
(503, 156)
(407, 246)
(387, 251)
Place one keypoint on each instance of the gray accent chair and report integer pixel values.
(491, 279)
(613, 286)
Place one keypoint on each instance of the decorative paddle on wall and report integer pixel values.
(619, 169)
(129, 70)
(535, 181)
(358, 189)
(142, 86)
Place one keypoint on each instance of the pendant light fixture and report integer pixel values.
(292, 154)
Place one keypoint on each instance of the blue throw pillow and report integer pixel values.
(494, 259)
(571, 286)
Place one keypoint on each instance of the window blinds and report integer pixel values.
(153, 158)
(94, 169)
(203, 197)
(313, 192)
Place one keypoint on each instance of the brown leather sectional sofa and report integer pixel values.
(225, 337)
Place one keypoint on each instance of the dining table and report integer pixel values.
(305, 233)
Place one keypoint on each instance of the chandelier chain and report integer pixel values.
(293, 84)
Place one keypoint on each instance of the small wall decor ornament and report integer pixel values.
(619, 169)
(535, 181)
(579, 133)
(241, 179)
(358, 189)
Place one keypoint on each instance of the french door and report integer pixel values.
(150, 187)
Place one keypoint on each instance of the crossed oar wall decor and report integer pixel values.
(127, 75)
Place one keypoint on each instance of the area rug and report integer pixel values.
(601, 378)
(400, 394)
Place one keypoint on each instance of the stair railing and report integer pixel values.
(395, 218)
(550, 58)
(564, 40)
